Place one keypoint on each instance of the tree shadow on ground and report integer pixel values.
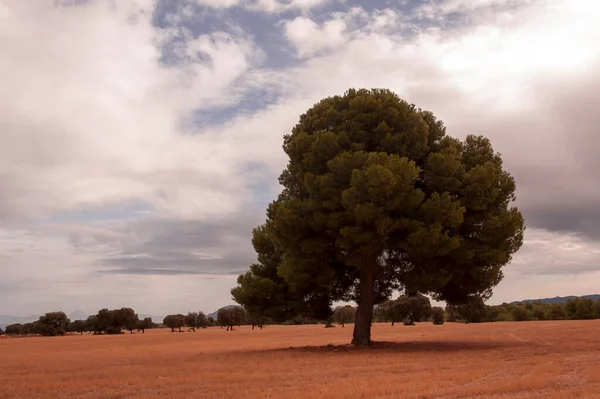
(410, 346)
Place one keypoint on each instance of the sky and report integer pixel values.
(141, 139)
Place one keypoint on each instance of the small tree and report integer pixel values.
(53, 324)
(15, 329)
(556, 311)
(78, 326)
(417, 307)
(126, 318)
(539, 311)
(474, 311)
(202, 322)
(344, 314)
(437, 315)
(452, 314)
(580, 309)
(143, 325)
(211, 321)
(521, 313)
(92, 325)
(174, 321)
(31, 328)
(106, 322)
(394, 311)
(224, 318)
(231, 316)
(191, 321)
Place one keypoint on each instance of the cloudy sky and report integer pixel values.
(141, 139)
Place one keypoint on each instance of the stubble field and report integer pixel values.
(494, 360)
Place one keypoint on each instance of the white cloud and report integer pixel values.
(111, 112)
(277, 6)
(310, 38)
(267, 6)
(218, 3)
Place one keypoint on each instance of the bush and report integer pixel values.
(437, 315)
(504, 316)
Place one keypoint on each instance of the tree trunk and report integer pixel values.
(364, 313)
(393, 321)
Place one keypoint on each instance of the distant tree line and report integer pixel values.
(104, 322)
(572, 309)
(407, 309)
(192, 321)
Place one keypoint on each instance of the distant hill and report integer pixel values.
(214, 314)
(6, 320)
(78, 315)
(558, 299)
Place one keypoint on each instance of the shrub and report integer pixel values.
(437, 315)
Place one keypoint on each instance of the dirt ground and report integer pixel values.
(493, 360)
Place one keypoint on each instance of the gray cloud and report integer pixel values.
(176, 247)
(153, 272)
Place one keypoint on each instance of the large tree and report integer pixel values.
(377, 198)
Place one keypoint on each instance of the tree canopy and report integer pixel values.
(231, 316)
(375, 198)
(344, 314)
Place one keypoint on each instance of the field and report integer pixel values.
(493, 360)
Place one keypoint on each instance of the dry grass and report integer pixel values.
(496, 360)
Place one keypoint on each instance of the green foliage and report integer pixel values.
(344, 314)
(174, 321)
(473, 311)
(452, 314)
(191, 320)
(377, 198)
(78, 326)
(145, 324)
(437, 315)
(126, 318)
(521, 313)
(408, 307)
(580, 309)
(31, 328)
(202, 322)
(231, 316)
(15, 329)
(53, 324)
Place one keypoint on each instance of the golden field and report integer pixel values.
(559, 359)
